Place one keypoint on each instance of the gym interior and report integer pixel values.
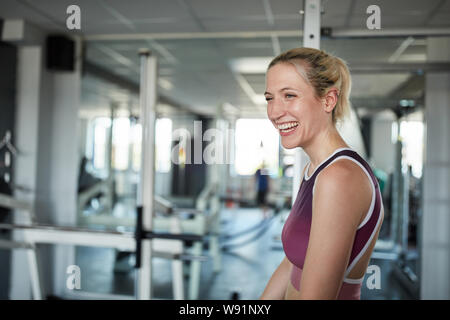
(131, 133)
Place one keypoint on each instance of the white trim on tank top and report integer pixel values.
(309, 163)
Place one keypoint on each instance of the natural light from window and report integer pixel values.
(256, 140)
(412, 137)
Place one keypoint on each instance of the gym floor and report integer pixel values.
(245, 269)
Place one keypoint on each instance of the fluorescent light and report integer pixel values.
(250, 64)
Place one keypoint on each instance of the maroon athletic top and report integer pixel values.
(295, 235)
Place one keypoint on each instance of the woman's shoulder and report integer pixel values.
(344, 176)
(342, 167)
(344, 190)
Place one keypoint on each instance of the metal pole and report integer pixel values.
(146, 193)
(311, 39)
(109, 159)
(130, 174)
(397, 190)
(405, 209)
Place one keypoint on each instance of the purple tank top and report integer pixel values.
(295, 234)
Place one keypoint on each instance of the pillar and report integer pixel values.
(435, 233)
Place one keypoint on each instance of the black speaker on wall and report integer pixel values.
(60, 53)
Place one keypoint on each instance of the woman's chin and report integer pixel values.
(288, 144)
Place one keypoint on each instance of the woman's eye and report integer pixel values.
(290, 95)
(268, 98)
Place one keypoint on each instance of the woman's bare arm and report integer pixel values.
(277, 285)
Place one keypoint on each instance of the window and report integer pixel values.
(288, 159)
(127, 137)
(256, 141)
(101, 127)
(136, 137)
(121, 143)
(411, 133)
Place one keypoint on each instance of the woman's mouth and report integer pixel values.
(287, 128)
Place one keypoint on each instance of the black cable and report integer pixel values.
(261, 232)
(260, 224)
(245, 231)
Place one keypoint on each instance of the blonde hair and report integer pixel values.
(322, 71)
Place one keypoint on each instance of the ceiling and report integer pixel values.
(201, 43)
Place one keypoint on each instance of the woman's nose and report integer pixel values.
(276, 110)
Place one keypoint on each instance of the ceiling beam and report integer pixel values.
(400, 67)
(336, 33)
(389, 32)
(380, 103)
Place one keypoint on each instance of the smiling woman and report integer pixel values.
(313, 76)
(334, 223)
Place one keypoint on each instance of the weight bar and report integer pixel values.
(140, 234)
(103, 238)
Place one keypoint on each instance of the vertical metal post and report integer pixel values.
(35, 276)
(109, 159)
(130, 174)
(405, 209)
(177, 265)
(397, 190)
(148, 97)
(311, 24)
(109, 143)
(311, 39)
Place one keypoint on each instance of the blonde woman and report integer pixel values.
(334, 223)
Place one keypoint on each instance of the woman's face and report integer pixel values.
(292, 106)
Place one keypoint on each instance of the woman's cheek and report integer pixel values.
(295, 105)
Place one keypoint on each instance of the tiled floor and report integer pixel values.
(245, 269)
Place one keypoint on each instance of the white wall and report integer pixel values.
(383, 150)
(27, 114)
(435, 249)
(350, 131)
(46, 128)
(58, 166)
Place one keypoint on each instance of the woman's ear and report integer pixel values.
(330, 100)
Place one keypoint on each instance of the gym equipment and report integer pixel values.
(203, 220)
(39, 233)
(144, 240)
(6, 143)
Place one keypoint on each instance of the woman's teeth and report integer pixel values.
(287, 127)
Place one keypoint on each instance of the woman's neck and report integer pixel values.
(323, 145)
